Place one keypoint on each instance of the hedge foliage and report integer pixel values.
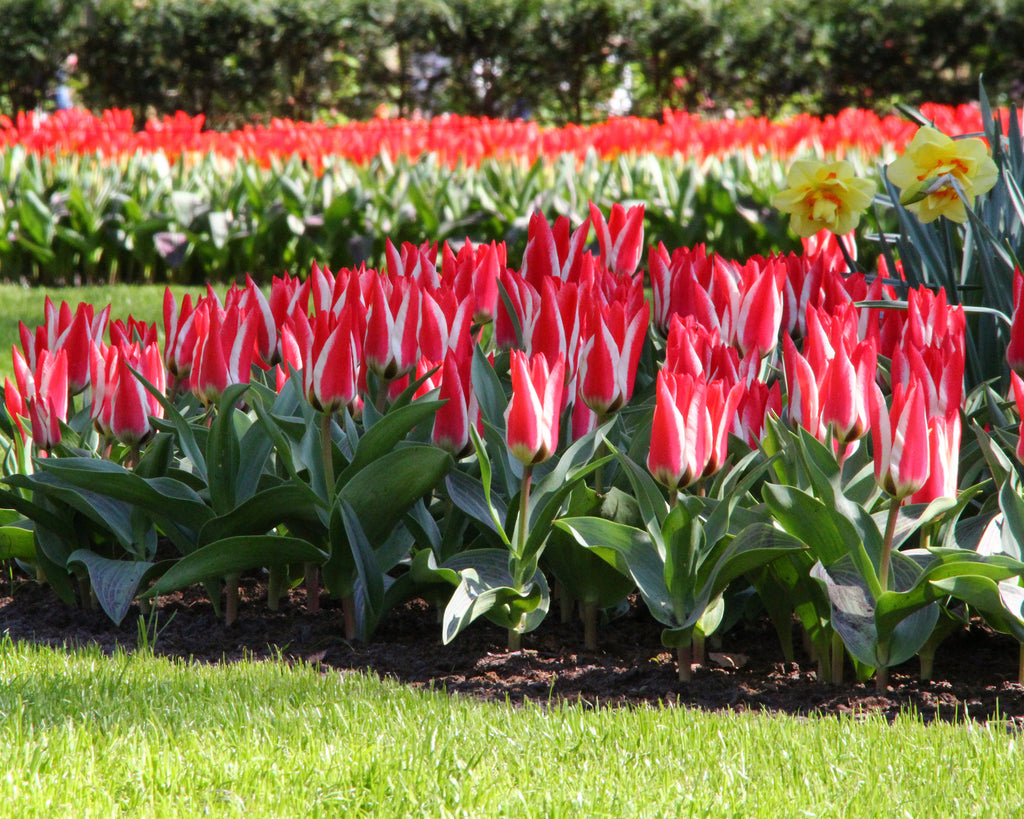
(558, 60)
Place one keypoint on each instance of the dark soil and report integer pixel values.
(975, 670)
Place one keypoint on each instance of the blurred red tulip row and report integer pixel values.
(466, 140)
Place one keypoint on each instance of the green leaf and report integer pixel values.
(382, 491)
(486, 587)
(854, 613)
(166, 497)
(223, 451)
(368, 570)
(639, 557)
(271, 507)
(114, 581)
(17, 543)
(233, 555)
(473, 498)
(384, 435)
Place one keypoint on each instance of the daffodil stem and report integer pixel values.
(890, 531)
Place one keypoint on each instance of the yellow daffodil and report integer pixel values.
(926, 170)
(823, 196)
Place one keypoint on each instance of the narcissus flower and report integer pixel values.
(926, 171)
(823, 196)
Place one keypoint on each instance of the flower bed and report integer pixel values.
(830, 442)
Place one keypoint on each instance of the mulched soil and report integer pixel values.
(975, 670)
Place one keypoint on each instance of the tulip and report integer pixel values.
(1015, 346)
(532, 416)
(330, 362)
(48, 400)
(681, 437)
(900, 438)
(620, 238)
(1018, 396)
(680, 286)
(760, 311)
(453, 420)
(801, 390)
(553, 251)
(610, 354)
(224, 350)
(843, 393)
(391, 346)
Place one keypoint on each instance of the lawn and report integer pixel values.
(85, 734)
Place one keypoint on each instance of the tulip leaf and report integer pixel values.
(164, 497)
(110, 514)
(649, 496)
(938, 565)
(1000, 603)
(114, 582)
(808, 519)
(473, 498)
(17, 543)
(233, 555)
(369, 573)
(854, 612)
(384, 435)
(281, 504)
(223, 451)
(584, 572)
(486, 588)
(489, 392)
(382, 491)
(639, 556)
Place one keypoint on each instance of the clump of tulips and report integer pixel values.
(483, 434)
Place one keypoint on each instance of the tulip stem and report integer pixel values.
(890, 531)
(524, 513)
(327, 451)
(515, 632)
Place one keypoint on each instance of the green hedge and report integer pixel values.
(557, 59)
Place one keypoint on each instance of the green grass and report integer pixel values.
(82, 734)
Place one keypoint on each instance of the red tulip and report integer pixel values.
(944, 452)
(844, 390)
(680, 286)
(1018, 396)
(760, 311)
(621, 238)
(391, 345)
(722, 404)
(224, 350)
(801, 389)
(612, 342)
(331, 361)
(553, 251)
(452, 421)
(1015, 347)
(48, 401)
(532, 416)
(900, 440)
(681, 439)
